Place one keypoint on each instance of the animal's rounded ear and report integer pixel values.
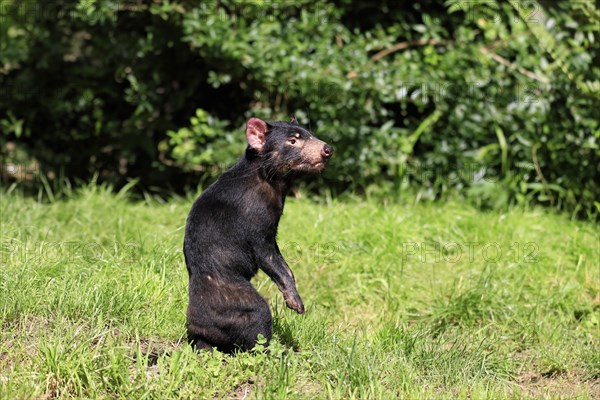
(256, 133)
(294, 120)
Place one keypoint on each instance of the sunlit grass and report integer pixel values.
(402, 301)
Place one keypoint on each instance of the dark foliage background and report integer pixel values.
(494, 101)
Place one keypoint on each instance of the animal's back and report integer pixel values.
(227, 217)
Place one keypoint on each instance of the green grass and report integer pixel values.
(91, 284)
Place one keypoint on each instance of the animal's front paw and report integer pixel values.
(295, 303)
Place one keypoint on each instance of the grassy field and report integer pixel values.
(417, 301)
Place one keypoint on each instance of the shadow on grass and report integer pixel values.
(285, 333)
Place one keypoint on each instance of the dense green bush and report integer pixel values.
(496, 101)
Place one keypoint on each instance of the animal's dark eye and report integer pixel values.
(292, 141)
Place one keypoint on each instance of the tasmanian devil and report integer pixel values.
(230, 234)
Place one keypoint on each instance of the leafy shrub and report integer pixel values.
(496, 101)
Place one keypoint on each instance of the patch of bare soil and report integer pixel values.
(22, 335)
(242, 392)
(563, 385)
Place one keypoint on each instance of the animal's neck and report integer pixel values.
(277, 185)
(274, 189)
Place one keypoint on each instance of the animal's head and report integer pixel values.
(287, 148)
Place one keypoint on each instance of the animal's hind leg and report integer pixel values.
(197, 343)
(251, 322)
(226, 314)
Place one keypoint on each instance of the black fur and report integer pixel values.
(231, 231)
